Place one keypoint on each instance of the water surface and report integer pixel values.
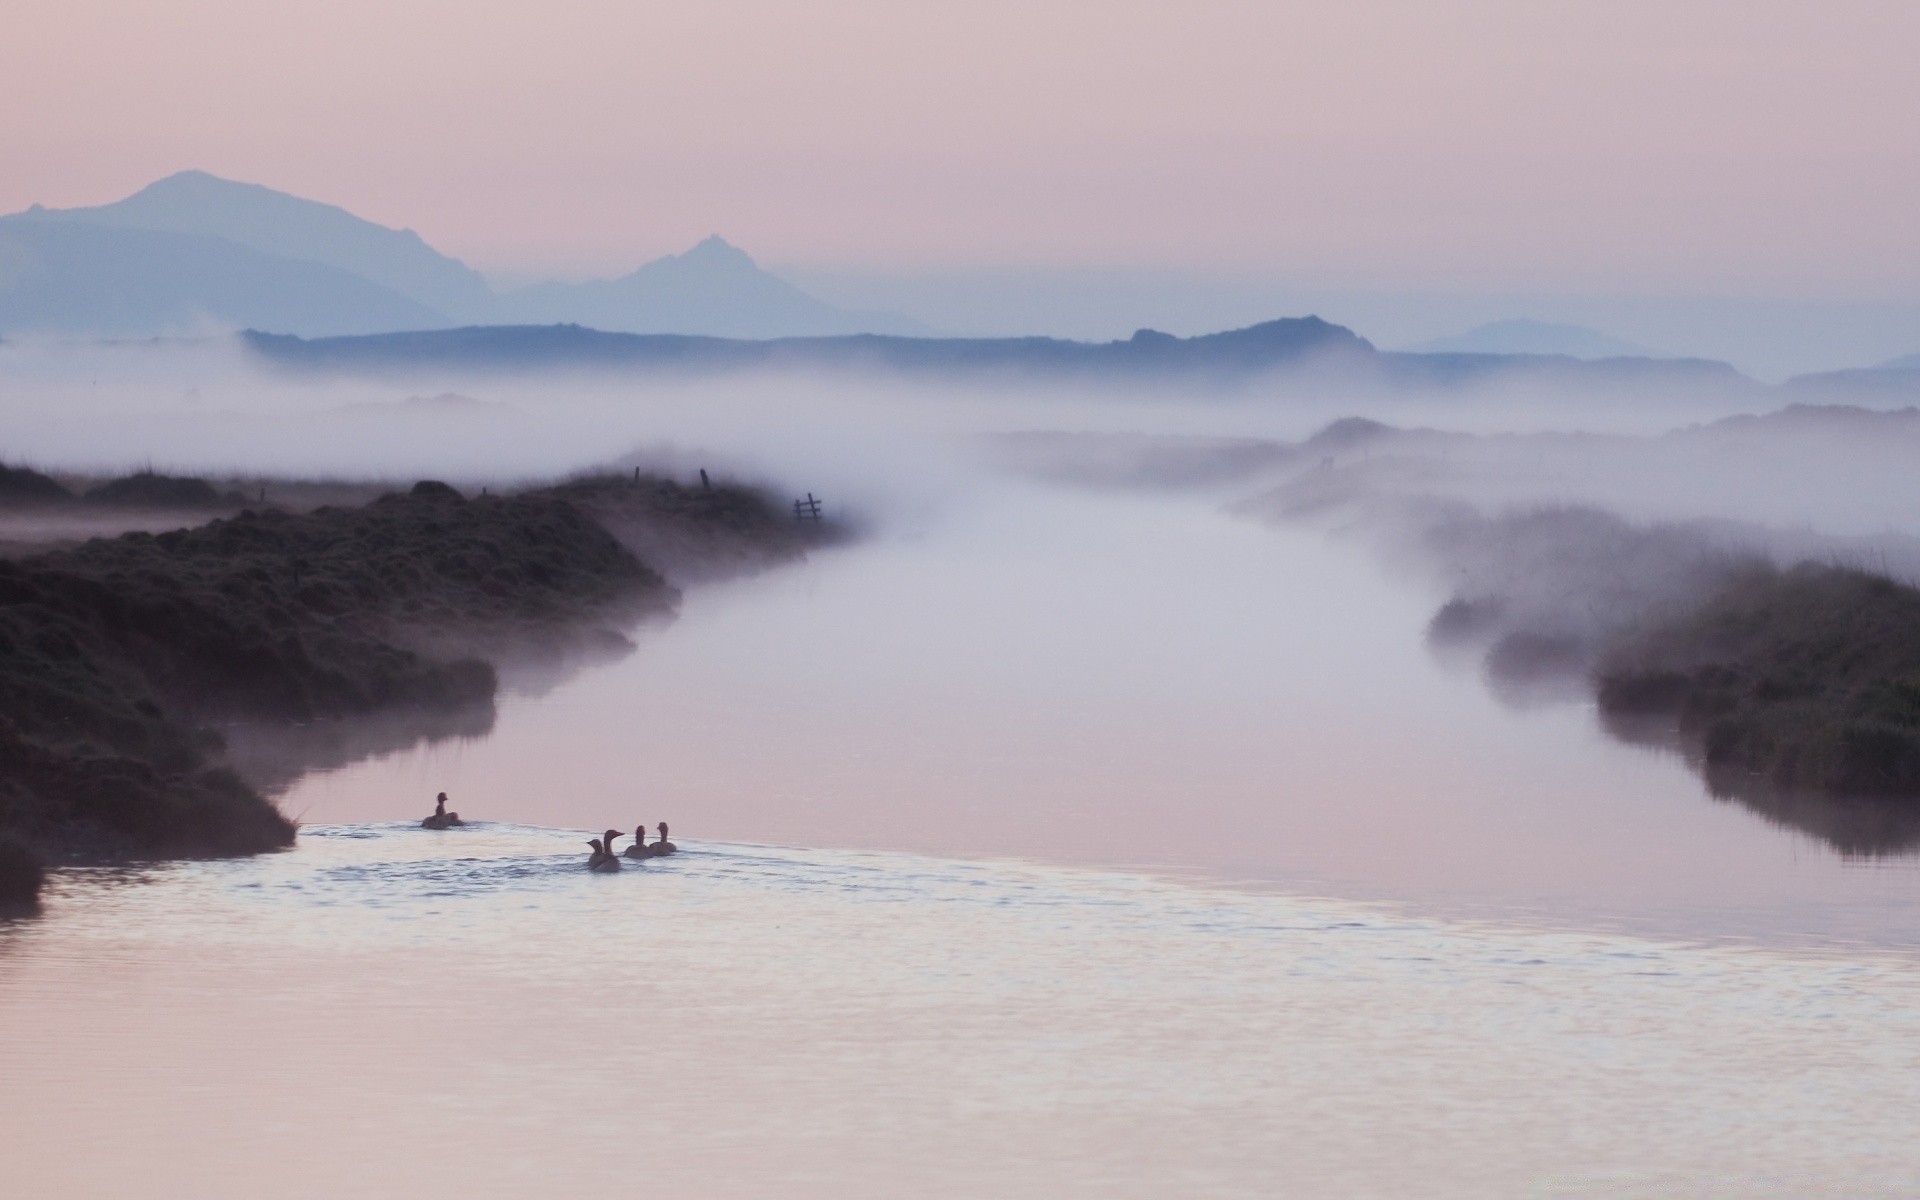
(1146, 682)
(386, 1011)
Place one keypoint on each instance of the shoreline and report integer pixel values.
(119, 656)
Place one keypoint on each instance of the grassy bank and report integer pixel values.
(1799, 679)
(1794, 690)
(117, 655)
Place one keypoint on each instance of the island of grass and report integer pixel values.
(1800, 679)
(1792, 689)
(117, 656)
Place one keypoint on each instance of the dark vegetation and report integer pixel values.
(695, 533)
(19, 485)
(146, 489)
(1793, 690)
(120, 656)
(1788, 684)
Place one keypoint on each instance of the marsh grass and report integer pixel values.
(1799, 678)
(117, 654)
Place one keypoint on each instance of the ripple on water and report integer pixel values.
(791, 1022)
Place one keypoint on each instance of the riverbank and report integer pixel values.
(119, 656)
(1805, 678)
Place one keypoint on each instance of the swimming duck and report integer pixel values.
(663, 846)
(603, 857)
(441, 818)
(640, 849)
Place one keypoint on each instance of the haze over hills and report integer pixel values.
(1769, 337)
(276, 223)
(714, 289)
(193, 252)
(71, 278)
(1330, 358)
(1523, 336)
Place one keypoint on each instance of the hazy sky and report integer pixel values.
(1765, 145)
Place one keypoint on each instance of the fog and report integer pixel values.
(1179, 631)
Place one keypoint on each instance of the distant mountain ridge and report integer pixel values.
(1328, 357)
(1523, 336)
(194, 251)
(276, 223)
(1233, 355)
(714, 289)
(64, 278)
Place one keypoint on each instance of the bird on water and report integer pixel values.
(603, 857)
(441, 818)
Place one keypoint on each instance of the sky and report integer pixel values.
(1754, 148)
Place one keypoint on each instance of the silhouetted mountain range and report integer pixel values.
(714, 289)
(194, 252)
(1862, 385)
(274, 223)
(1522, 336)
(1895, 379)
(1333, 358)
(1234, 354)
(67, 277)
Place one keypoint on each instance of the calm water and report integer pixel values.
(1109, 681)
(1148, 854)
(386, 1011)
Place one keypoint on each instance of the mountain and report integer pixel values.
(1329, 359)
(1237, 355)
(1521, 336)
(73, 278)
(1906, 362)
(193, 250)
(1888, 384)
(714, 289)
(1650, 378)
(194, 202)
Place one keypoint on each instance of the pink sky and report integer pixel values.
(1762, 145)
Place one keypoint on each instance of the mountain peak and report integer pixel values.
(274, 222)
(714, 250)
(1521, 335)
(204, 187)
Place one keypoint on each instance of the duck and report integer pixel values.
(603, 857)
(441, 818)
(640, 849)
(663, 846)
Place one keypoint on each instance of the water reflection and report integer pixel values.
(1137, 681)
(1858, 827)
(273, 755)
(1529, 669)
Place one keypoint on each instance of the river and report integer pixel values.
(1047, 844)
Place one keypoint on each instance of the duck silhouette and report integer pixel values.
(441, 818)
(603, 857)
(663, 846)
(640, 849)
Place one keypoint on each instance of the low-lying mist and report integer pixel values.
(1013, 634)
